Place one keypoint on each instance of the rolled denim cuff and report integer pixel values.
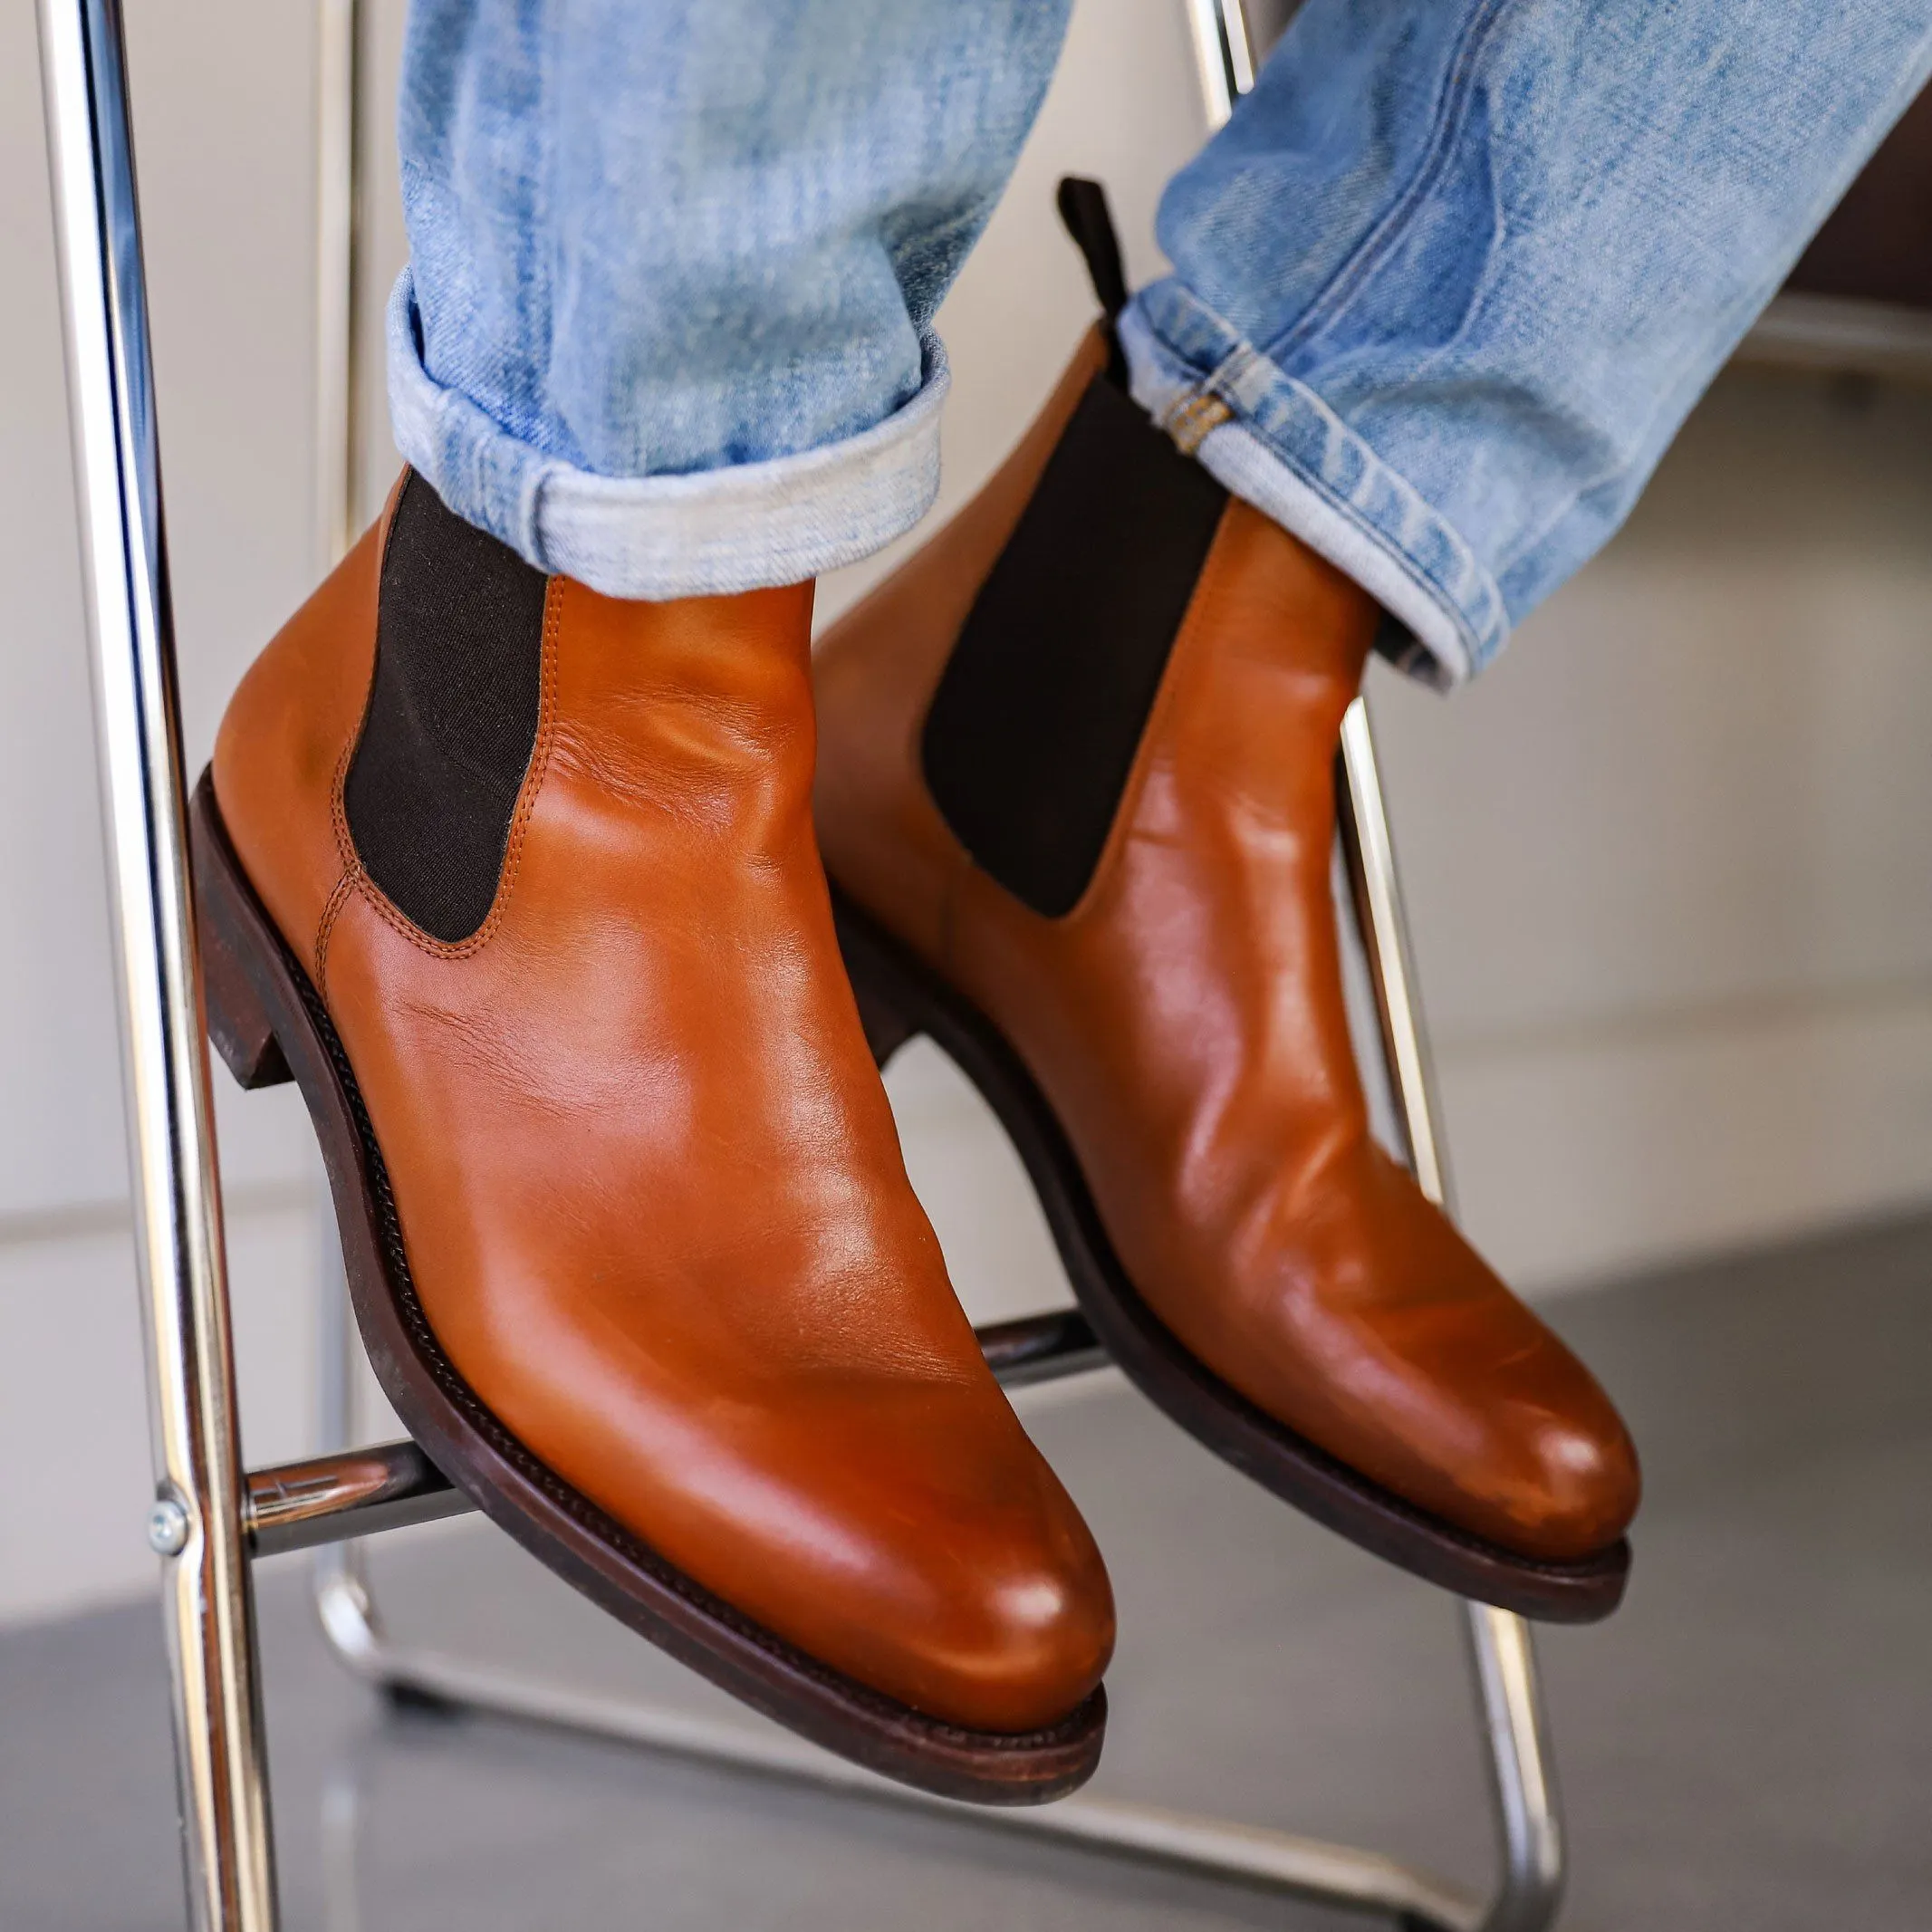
(1274, 442)
(745, 527)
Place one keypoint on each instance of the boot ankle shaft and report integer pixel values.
(701, 705)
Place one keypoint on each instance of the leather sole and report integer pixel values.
(269, 1025)
(900, 996)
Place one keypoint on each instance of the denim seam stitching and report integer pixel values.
(1440, 594)
(1243, 357)
(1346, 282)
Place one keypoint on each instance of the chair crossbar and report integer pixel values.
(391, 1486)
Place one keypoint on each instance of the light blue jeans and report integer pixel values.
(1443, 289)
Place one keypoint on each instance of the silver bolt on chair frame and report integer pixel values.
(211, 1517)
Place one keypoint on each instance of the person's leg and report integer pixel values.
(516, 870)
(1076, 797)
(1448, 282)
(667, 326)
(1443, 290)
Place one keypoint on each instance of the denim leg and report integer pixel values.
(1453, 275)
(667, 324)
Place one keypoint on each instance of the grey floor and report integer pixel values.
(1747, 1745)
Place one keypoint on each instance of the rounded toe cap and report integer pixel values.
(933, 1556)
(1022, 1634)
(1579, 1483)
(1524, 1447)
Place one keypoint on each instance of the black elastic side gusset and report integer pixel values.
(452, 716)
(1034, 726)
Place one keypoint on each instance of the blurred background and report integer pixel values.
(1666, 865)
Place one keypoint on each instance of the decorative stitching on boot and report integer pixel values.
(345, 850)
(344, 891)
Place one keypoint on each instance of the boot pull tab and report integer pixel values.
(1083, 209)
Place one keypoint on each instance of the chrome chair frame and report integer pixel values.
(211, 1518)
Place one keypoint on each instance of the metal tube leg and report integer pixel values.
(1504, 1663)
(1500, 1645)
(196, 1523)
(342, 1808)
(342, 1580)
(339, 212)
(342, 1599)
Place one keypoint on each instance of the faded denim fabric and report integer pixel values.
(1449, 281)
(1444, 288)
(666, 324)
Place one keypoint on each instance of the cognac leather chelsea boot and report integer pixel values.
(1076, 797)
(519, 883)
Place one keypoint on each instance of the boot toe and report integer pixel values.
(1519, 1442)
(1578, 1484)
(968, 1585)
(1022, 1627)
(908, 1535)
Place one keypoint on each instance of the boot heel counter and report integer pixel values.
(238, 1020)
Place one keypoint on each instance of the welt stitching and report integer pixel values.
(391, 915)
(1450, 108)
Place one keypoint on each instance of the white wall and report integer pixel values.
(1665, 864)
(1669, 862)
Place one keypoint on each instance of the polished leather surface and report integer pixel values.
(648, 1178)
(1185, 1022)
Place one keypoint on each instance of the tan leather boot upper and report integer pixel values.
(1185, 1022)
(647, 1180)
